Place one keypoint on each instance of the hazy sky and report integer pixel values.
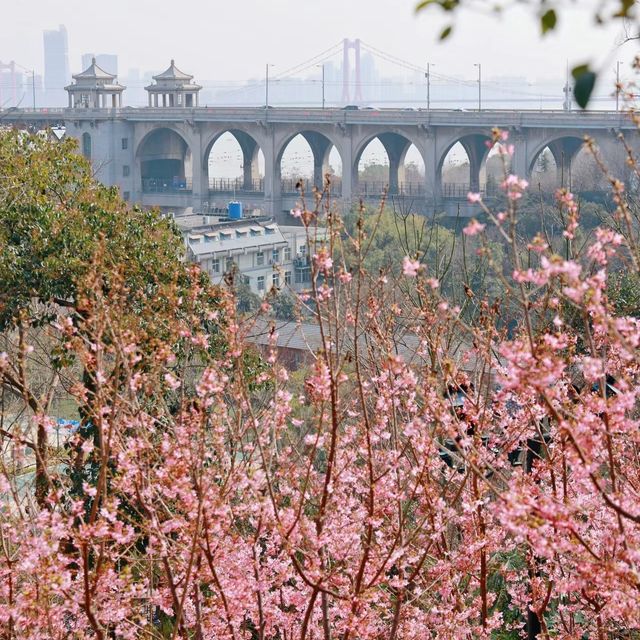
(222, 40)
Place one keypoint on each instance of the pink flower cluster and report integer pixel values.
(514, 187)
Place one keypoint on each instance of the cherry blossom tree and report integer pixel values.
(406, 490)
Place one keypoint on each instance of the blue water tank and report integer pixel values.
(234, 210)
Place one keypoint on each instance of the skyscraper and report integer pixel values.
(56, 67)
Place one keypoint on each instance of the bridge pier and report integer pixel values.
(396, 147)
(477, 151)
(250, 149)
(272, 177)
(563, 152)
(200, 175)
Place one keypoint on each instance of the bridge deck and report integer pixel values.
(486, 118)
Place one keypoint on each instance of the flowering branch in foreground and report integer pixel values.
(394, 494)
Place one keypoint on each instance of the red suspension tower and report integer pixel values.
(346, 72)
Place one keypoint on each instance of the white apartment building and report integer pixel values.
(265, 254)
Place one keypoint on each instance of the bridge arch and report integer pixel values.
(476, 146)
(247, 151)
(324, 154)
(397, 146)
(165, 161)
(563, 150)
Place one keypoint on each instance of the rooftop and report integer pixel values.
(235, 238)
(173, 78)
(305, 336)
(199, 222)
(173, 73)
(94, 72)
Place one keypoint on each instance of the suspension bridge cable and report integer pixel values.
(310, 61)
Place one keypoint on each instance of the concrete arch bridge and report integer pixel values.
(160, 156)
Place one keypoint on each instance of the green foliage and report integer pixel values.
(55, 221)
(394, 236)
(246, 300)
(548, 15)
(539, 213)
(584, 82)
(283, 305)
(71, 245)
(623, 289)
(548, 21)
(374, 172)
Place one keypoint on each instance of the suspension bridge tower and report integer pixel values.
(346, 72)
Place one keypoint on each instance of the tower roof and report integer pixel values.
(94, 72)
(173, 73)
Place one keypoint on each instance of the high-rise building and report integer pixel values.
(56, 66)
(106, 61)
(10, 81)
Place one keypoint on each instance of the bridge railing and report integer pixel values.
(375, 189)
(174, 184)
(237, 185)
(460, 190)
(288, 186)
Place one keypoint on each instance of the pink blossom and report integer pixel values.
(474, 227)
(171, 381)
(323, 260)
(410, 267)
(514, 186)
(474, 197)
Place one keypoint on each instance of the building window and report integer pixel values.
(303, 275)
(215, 265)
(259, 258)
(287, 254)
(125, 144)
(275, 280)
(275, 255)
(126, 196)
(126, 171)
(302, 249)
(287, 277)
(260, 283)
(229, 264)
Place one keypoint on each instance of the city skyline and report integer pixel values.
(381, 80)
(145, 39)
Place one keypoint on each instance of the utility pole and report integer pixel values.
(567, 91)
(427, 75)
(479, 65)
(618, 85)
(266, 86)
(33, 87)
(322, 67)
